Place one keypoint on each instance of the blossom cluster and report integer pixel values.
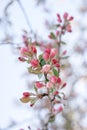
(48, 64)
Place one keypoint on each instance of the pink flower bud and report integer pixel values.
(38, 85)
(71, 18)
(31, 105)
(46, 56)
(49, 85)
(65, 16)
(26, 94)
(64, 85)
(59, 18)
(59, 80)
(33, 49)
(53, 52)
(34, 63)
(21, 59)
(24, 51)
(54, 61)
(64, 52)
(57, 65)
(68, 28)
(53, 79)
(48, 50)
(46, 68)
(56, 93)
(57, 33)
(60, 109)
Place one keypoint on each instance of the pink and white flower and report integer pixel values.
(34, 63)
(46, 68)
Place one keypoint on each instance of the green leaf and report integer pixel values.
(58, 25)
(52, 35)
(42, 62)
(25, 99)
(33, 100)
(63, 66)
(52, 118)
(55, 72)
(59, 96)
(34, 71)
(64, 43)
(35, 89)
(52, 90)
(40, 57)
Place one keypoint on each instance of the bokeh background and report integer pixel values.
(38, 17)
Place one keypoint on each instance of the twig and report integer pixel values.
(25, 15)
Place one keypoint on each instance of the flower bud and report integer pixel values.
(59, 18)
(59, 80)
(71, 18)
(26, 94)
(34, 63)
(46, 68)
(38, 85)
(65, 16)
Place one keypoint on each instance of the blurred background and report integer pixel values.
(38, 17)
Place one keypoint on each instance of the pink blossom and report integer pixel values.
(21, 59)
(53, 79)
(33, 49)
(64, 52)
(46, 68)
(46, 56)
(60, 109)
(65, 16)
(71, 18)
(57, 65)
(24, 51)
(59, 18)
(53, 52)
(26, 94)
(68, 28)
(56, 93)
(64, 85)
(49, 85)
(57, 110)
(54, 61)
(48, 50)
(38, 85)
(59, 80)
(34, 63)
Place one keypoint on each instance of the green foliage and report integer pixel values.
(55, 72)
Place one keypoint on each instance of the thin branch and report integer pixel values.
(25, 15)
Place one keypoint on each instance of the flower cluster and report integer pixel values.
(47, 64)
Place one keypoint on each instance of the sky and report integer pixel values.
(12, 82)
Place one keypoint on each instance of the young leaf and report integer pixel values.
(35, 89)
(25, 99)
(40, 57)
(34, 71)
(52, 35)
(64, 43)
(63, 66)
(33, 100)
(55, 72)
(52, 119)
(42, 62)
